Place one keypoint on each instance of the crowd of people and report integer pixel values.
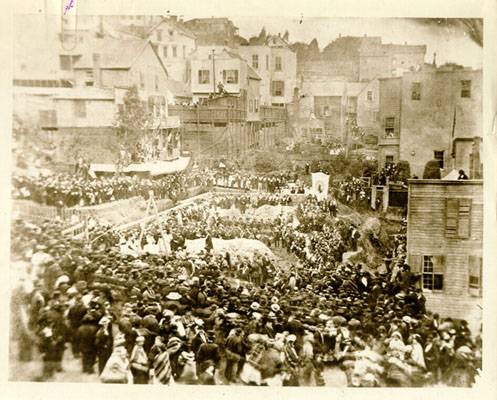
(70, 190)
(141, 309)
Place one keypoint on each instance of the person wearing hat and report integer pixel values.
(291, 362)
(104, 342)
(87, 333)
(235, 354)
(139, 362)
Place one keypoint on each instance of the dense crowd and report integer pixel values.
(69, 190)
(143, 310)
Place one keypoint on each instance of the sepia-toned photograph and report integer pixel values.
(246, 201)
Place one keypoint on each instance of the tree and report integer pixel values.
(133, 118)
(286, 36)
(432, 170)
(404, 170)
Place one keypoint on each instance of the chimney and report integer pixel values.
(174, 18)
(435, 59)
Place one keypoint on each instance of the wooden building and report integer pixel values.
(444, 244)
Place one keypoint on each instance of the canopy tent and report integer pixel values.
(153, 168)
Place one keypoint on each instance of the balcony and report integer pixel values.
(388, 140)
(207, 114)
(272, 114)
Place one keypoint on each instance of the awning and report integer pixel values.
(153, 168)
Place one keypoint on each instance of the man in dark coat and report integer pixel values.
(75, 317)
(103, 343)
(87, 333)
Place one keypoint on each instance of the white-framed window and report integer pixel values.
(389, 126)
(475, 268)
(278, 88)
(256, 105)
(89, 78)
(439, 156)
(278, 65)
(255, 61)
(203, 76)
(370, 95)
(65, 62)
(230, 76)
(433, 272)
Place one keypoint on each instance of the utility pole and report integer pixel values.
(213, 72)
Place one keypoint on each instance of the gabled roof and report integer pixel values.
(178, 89)
(175, 24)
(252, 74)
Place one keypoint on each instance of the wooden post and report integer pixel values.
(385, 198)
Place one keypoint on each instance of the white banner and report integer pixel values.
(320, 183)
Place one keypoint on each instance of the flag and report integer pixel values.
(453, 133)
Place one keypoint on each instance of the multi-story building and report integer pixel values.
(444, 245)
(213, 31)
(432, 115)
(78, 94)
(212, 66)
(276, 64)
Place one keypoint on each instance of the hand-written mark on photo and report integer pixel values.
(68, 6)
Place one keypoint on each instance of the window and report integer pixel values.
(433, 272)
(89, 79)
(474, 272)
(175, 54)
(203, 76)
(142, 81)
(256, 105)
(458, 218)
(230, 76)
(159, 35)
(370, 95)
(416, 91)
(267, 62)
(80, 108)
(389, 159)
(164, 51)
(278, 88)
(389, 126)
(376, 116)
(277, 63)
(439, 156)
(65, 63)
(466, 89)
(171, 32)
(255, 61)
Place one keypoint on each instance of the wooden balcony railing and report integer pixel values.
(201, 114)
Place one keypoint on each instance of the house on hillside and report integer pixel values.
(432, 115)
(276, 63)
(213, 31)
(444, 245)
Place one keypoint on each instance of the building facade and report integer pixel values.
(276, 63)
(444, 245)
(213, 31)
(432, 115)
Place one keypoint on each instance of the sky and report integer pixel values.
(450, 44)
